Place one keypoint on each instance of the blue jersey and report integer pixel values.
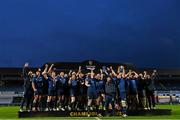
(115, 80)
(51, 83)
(73, 84)
(122, 84)
(61, 82)
(92, 83)
(132, 85)
(38, 81)
(101, 85)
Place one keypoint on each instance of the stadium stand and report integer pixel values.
(5, 100)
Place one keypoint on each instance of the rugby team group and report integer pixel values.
(109, 88)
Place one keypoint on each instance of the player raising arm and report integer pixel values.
(37, 85)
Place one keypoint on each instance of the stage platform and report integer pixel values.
(92, 113)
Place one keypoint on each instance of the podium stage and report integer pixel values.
(92, 113)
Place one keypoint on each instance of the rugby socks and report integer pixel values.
(97, 107)
(35, 104)
(62, 103)
(58, 104)
(48, 105)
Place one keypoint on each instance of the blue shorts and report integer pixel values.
(101, 91)
(51, 92)
(81, 90)
(73, 92)
(66, 90)
(92, 95)
(133, 92)
(45, 90)
(38, 92)
(60, 92)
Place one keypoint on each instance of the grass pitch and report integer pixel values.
(11, 112)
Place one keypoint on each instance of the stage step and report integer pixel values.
(92, 113)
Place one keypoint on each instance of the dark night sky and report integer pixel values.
(143, 32)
